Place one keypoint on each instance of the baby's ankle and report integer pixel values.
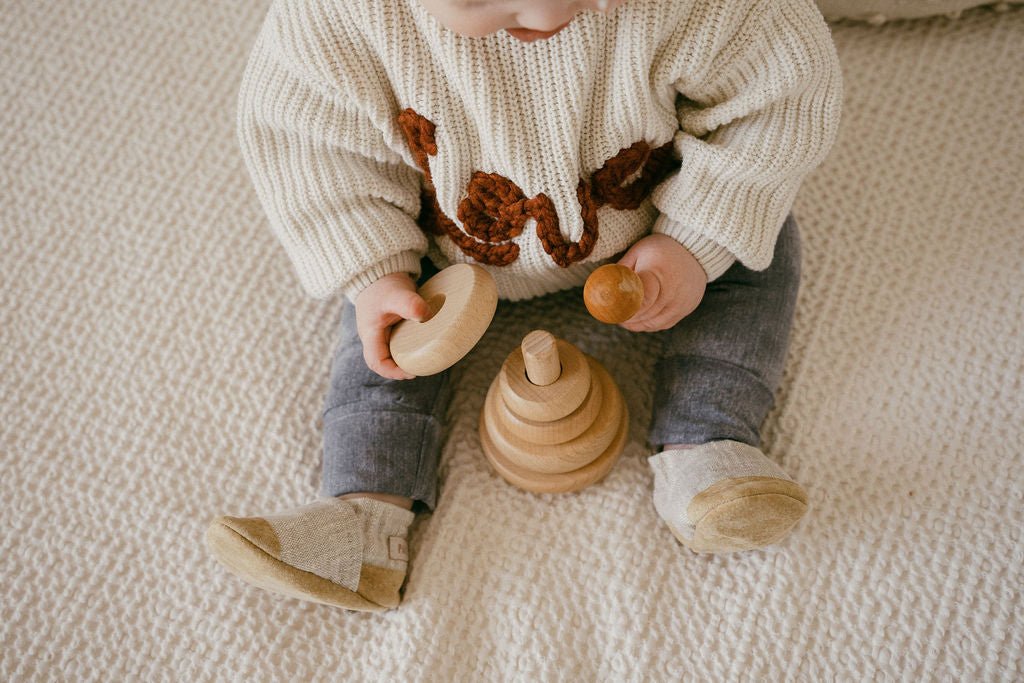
(677, 446)
(400, 501)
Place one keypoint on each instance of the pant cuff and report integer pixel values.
(699, 399)
(389, 452)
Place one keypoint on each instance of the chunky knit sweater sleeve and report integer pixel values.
(754, 119)
(315, 137)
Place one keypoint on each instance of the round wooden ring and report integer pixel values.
(569, 455)
(466, 297)
(551, 402)
(558, 431)
(556, 483)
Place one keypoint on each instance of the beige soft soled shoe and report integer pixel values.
(348, 553)
(725, 496)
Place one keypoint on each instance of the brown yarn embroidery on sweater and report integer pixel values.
(495, 210)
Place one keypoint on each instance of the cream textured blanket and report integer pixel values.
(159, 364)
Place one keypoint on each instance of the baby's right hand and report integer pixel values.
(384, 303)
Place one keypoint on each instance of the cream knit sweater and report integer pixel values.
(694, 118)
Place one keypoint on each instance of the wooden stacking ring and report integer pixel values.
(556, 483)
(558, 431)
(551, 402)
(569, 455)
(463, 298)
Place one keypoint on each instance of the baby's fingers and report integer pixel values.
(650, 304)
(377, 354)
(408, 305)
(656, 322)
(390, 369)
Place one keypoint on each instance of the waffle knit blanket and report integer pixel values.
(160, 364)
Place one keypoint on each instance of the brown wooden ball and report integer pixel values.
(613, 293)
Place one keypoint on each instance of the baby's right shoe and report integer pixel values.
(725, 496)
(349, 553)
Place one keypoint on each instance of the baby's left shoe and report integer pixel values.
(725, 496)
(349, 553)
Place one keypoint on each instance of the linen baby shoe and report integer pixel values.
(349, 553)
(725, 496)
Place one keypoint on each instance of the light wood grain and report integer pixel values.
(465, 297)
(556, 431)
(556, 483)
(574, 428)
(565, 456)
(540, 355)
(551, 402)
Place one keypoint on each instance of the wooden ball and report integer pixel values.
(613, 293)
(463, 299)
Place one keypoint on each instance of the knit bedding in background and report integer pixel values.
(160, 364)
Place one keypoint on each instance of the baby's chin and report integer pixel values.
(528, 36)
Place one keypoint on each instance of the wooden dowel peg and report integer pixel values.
(540, 354)
(551, 402)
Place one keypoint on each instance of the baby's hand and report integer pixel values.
(674, 282)
(387, 301)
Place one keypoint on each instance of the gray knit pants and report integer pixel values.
(714, 379)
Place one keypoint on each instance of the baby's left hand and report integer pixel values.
(674, 282)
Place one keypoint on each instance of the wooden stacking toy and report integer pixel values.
(462, 300)
(613, 293)
(553, 421)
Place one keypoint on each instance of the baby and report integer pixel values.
(538, 139)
